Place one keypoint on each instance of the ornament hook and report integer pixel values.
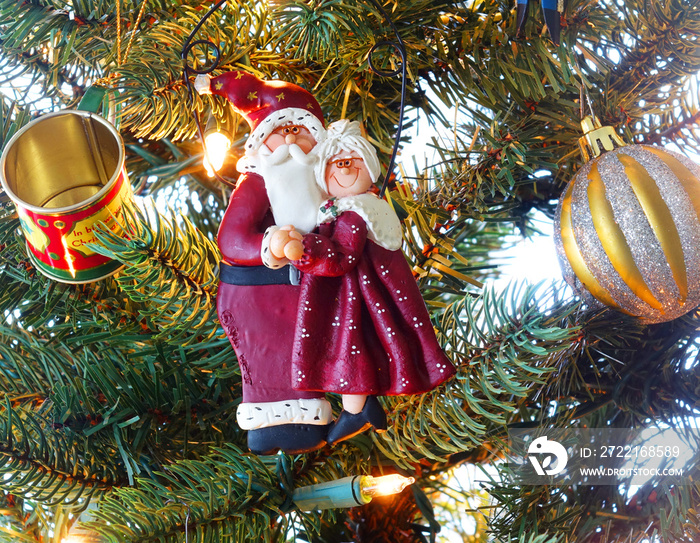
(400, 48)
(187, 47)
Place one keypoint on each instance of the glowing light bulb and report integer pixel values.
(79, 533)
(385, 485)
(348, 491)
(216, 146)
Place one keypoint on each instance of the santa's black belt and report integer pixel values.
(258, 275)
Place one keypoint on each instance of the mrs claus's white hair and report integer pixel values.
(346, 136)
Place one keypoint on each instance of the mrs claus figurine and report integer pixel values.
(362, 327)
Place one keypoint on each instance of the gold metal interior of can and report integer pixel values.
(62, 161)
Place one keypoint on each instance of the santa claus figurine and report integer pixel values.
(258, 292)
(362, 328)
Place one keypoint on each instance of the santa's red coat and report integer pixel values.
(362, 325)
(258, 320)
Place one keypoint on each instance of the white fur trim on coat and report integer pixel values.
(383, 224)
(289, 115)
(251, 416)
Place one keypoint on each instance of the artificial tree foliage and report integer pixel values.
(120, 396)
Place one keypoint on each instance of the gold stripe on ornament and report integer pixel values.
(613, 240)
(660, 219)
(575, 258)
(687, 179)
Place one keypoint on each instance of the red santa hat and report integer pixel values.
(267, 105)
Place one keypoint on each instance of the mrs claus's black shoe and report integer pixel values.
(349, 424)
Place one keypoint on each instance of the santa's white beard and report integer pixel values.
(291, 185)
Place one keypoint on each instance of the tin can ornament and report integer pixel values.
(65, 174)
(628, 227)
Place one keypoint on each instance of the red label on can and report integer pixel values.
(58, 242)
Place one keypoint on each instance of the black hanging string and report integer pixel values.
(189, 46)
(400, 48)
(187, 69)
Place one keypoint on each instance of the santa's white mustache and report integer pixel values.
(284, 152)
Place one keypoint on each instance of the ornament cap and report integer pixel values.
(597, 138)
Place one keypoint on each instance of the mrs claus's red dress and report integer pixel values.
(362, 325)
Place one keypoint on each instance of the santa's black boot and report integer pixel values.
(289, 438)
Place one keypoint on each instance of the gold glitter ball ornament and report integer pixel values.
(628, 228)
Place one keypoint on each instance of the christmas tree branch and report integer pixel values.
(167, 401)
(57, 46)
(319, 30)
(170, 273)
(225, 497)
(42, 72)
(655, 510)
(643, 370)
(154, 99)
(16, 525)
(673, 131)
(29, 365)
(669, 28)
(88, 340)
(51, 466)
(504, 346)
(56, 310)
(80, 367)
(82, 388)
(631, 93)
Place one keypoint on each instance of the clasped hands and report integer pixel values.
(286, 243)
